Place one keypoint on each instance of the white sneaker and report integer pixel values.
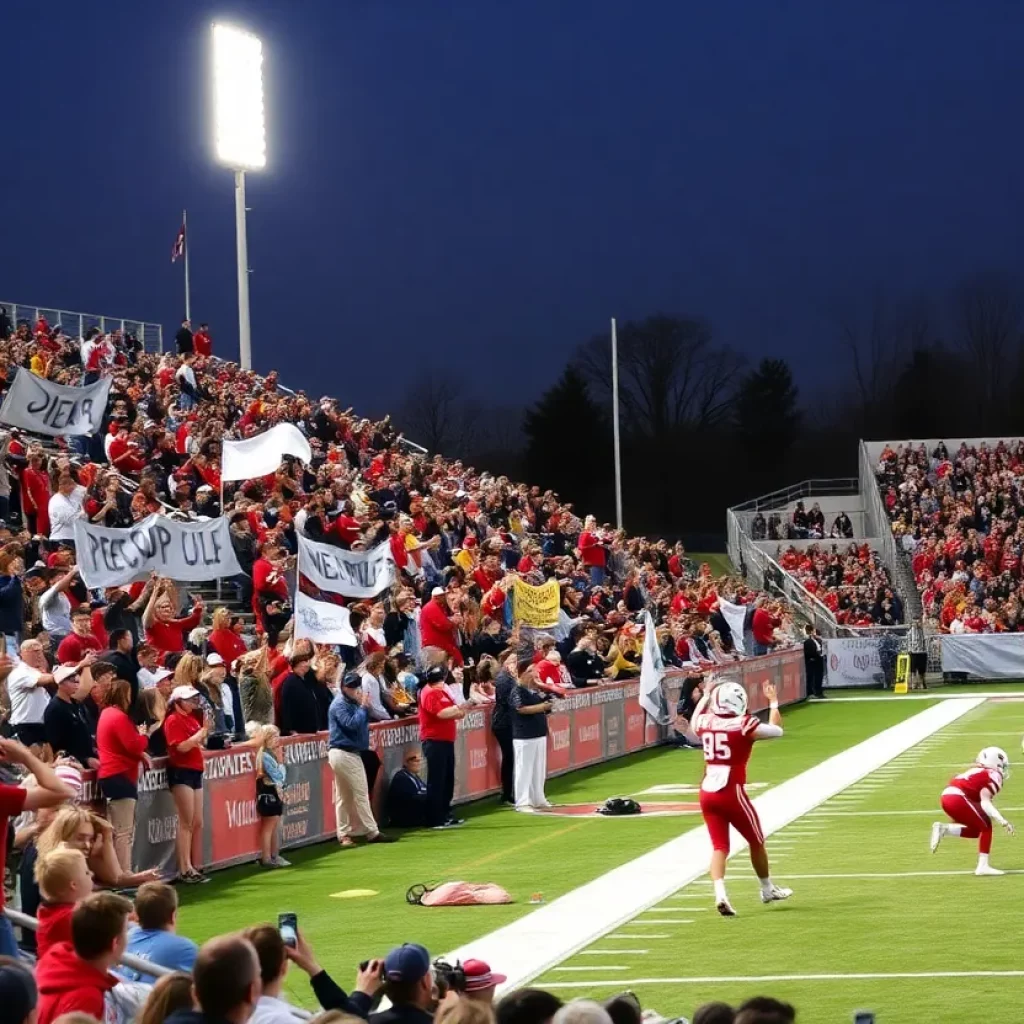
(724, 907)
(938, 831)
(984, 869)
(775, 894)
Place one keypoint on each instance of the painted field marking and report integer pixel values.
(672, 920)
(606, 967)
(927, 695)
(935, 813)
(540, 940)
(623, 935)
(669, 910)
(733, 979)
(614, 952)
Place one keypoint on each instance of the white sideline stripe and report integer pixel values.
(935, 813)
(923, 696)
(540, 940)
(607, 967)
(614, 952)
(764, 978)
(622, 935)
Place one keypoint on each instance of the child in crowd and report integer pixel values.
(64, 879)
(154, 938)
(270, 779)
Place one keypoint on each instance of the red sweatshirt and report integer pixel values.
(120, 745)
(68, 984)
(54, 925)
(437, 630)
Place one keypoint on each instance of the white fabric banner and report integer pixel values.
(322, 622)
(854, 662)
(984, 655)
(262, 454)
(735, 615)
(350, 573)
(56, 409)
(652, 669)
(187, 552)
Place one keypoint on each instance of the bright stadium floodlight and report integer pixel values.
(240, 140)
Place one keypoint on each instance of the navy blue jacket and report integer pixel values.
(348, 724)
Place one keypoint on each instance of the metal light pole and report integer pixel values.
(240, 141)
(615, 426)
(244, 335)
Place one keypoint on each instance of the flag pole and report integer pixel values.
(615, 426)
(186, 247)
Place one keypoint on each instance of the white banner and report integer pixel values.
(187, 552)
(652, 669)
(56, 409)
(735, 615)
(854, 662)
(349, 573)
(984, 655)
(322, 622)
(262, 454)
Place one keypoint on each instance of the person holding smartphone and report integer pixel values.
(185, 731)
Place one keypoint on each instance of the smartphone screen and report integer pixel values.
(864, 1017)
(288, 926)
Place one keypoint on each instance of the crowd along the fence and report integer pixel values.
(590, 726)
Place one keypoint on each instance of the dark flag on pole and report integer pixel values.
(178, 249)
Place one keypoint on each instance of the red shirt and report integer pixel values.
(73, 647)
(433, 700)
(12, 802)
(170, 636)
(727, 740)
(202, 343)
(974, 780)
(591, 550)
(99, 630)
(120, 745)
(763, 625)
(437, 630)
(228, 644)
(177, 729)
(54, 925)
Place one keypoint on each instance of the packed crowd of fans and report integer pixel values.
(958, 517)
(852, 582)
(108, 680)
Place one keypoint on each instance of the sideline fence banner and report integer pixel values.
(854, 661)
(189, 552)
(591, 725)
(984, 655)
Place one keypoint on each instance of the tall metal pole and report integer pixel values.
(615, 426)
(186, 247)
(244, 339)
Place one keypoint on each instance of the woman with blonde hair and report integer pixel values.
(270, 779)
(224, 639)
(254, 688)
(152, 707)
(188, 670)
(171, 993)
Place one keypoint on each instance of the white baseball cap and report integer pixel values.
(182, 693)
(214, 659)
(437, 592)
(161, 674)
(63, 672)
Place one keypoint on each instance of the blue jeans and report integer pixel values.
(597, 575)
(760, 649)
(8, 947)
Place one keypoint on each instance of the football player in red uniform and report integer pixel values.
(727, 734)
(968, 801)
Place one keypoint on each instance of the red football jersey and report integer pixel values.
(727, 740)
(974, 780)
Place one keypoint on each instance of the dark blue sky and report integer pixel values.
(478, 185)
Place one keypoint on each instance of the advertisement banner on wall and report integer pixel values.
(590, 726)
(853, 662)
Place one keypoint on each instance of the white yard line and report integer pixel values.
(614, 952)
(927, 695)
(935, 812)
(739, 979)
(645, 937)
(607, 967)
(555, 931)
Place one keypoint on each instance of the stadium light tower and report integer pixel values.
(240, 141)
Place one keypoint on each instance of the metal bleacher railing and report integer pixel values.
(76, 324)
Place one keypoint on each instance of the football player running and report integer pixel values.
(968, 801)
(727, 734)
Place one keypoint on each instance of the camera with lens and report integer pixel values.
(448, 977)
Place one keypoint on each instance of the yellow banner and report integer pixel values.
(537, 606)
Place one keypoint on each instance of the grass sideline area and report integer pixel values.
(718, 561)
(524, 853)
(869, 900)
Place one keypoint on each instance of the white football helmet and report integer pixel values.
(729, 699)
(994, 757)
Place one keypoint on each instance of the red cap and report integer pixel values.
(479, 976)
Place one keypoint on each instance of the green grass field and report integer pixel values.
(524, 853)
(869, 899)
(718, 561)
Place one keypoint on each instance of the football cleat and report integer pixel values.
(938, 831)
(984, 869)
(724, 907)
(995, 757)
(775, 894)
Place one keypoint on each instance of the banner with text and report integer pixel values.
(590, 726)
(349, 573)
(536, 607)
(854, 662)
(184, 551)
(262, 454)
(36, 404)
(322, 622)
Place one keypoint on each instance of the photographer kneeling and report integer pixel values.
(274, 957)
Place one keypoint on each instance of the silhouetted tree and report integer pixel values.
(568, 447)
(437, 414)
(767, 417)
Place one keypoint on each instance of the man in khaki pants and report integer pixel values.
(349, 727)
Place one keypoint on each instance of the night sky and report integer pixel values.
(476, 186)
